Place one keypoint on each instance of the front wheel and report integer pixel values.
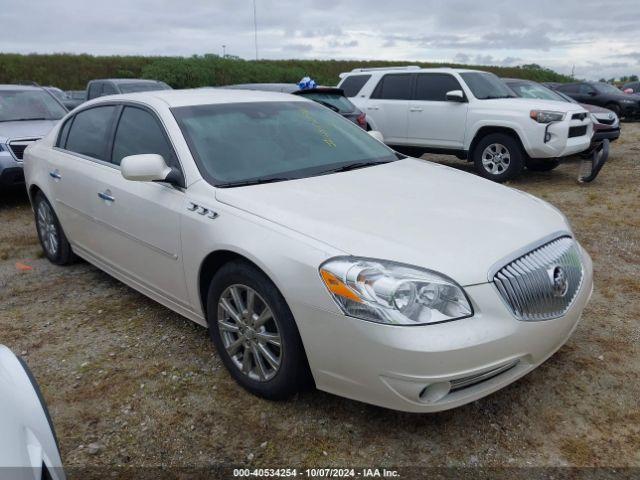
(54, 242)
(498, 157)
(255, 332)
(539, 165)
(615, 108)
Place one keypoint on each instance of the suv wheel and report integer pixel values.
(539, 165)
(498, 157)
(54, 242)
(255, 332)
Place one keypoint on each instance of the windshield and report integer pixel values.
(534, 90)
(339, 102)
(606, 88)
(486, 85)
(142, 87)
(56, 92)
(253, 142)
(22, 105)
(566, 97)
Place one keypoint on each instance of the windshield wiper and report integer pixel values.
(354, 166)
(25, 119)
(493, 97)
(257, 181)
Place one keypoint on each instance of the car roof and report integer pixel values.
(270, 87)
(201, 96)
(514, 80)
(410, 69)
(19, 87)
(125, 80)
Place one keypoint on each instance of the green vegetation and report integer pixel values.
(72, 72)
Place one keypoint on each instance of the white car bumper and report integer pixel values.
(560, 142)
(391, 366)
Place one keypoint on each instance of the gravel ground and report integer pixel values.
(131, 383)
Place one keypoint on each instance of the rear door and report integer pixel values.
(389, 106)
(75, 166)
(140, 221)
(434, 121)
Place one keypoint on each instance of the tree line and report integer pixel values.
(72, 72)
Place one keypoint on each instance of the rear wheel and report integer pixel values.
(54, 242)
(498, 157)
(255, 332)
(539, 165)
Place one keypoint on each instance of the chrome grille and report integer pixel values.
(543, 283)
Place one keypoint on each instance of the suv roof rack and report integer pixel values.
(398, 67)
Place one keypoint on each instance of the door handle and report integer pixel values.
(373, 108)
(415, 109)
(55, 175)
(106, 196)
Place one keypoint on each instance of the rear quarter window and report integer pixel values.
(353, 84)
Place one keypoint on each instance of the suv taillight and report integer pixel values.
(362, 120)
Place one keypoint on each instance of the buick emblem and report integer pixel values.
(611, 116)
(559, 281)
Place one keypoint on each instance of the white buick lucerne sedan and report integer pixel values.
(310, 249)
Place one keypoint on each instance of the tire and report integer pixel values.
(292, 372)
(539, 165)
(615, 108)
(54, 242)
(507, 165)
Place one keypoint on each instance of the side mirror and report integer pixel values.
(455, 96)
(377, 135)
(145, 168)
(592, 93)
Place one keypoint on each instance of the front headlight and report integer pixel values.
(389, 292)
(546, 116)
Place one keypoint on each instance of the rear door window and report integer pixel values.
(434, 86)
(95, 90)
(353, 84)
(568, 88)
(90, 132)
(140, 132)
(395, 86)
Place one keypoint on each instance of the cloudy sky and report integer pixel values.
(597, 37)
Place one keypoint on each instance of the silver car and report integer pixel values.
(27, 113)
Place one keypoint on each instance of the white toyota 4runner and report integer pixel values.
(470, 114)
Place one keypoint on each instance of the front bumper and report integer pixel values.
(610, 134)
(400, 367)
(11, 172)
(554, 140)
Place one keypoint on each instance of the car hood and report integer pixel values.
(26, 129)
(595, 109)
(529, 104)
(410, 211)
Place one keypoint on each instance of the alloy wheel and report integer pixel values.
(47, 229)
(496, 158)
(250, 332)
